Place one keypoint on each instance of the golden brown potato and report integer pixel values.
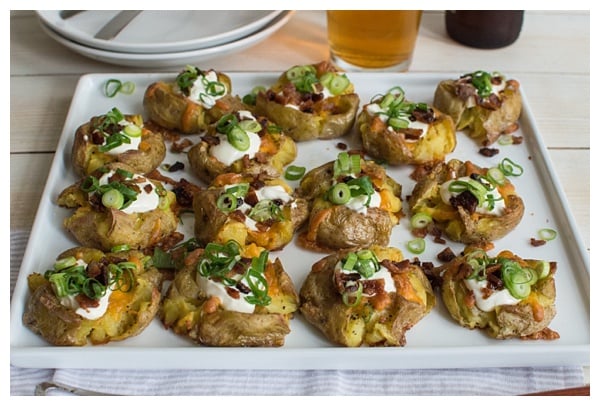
(253, 310)
(466, 202)
(349, 208)
(242, 143)
(116, 137)
(373, 303)
(194, 100)
(310, 102)
(248, 210)
(506, 296)
(401, 132)
(115, 206)
(486, 105)
(70, 317)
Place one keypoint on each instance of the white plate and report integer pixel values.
(170, 59)
(435, 342)
(158, 31)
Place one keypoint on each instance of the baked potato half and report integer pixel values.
(92, 297)
(353, 204)
(115, 206)
(506, 296)
(369, 297)
(402, 132)
(484, 104)
(469, 204)
(242, 143)
(230, 296)
(310, 102)
(248, 210)
(195, 99)
(116, 137)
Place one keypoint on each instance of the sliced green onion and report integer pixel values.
(238, 138)
(510, 168)
(398, 123)
(420, 220)
(114, 86)
(505, 139)
(252, 126)
(547, 234)
(113, 199)
(239, 190)
(349, 262)
(120, 248)
(294, 172)
(340, 194)
(543, 269)
(416, 246)
(338, 84)
(90, 184)
(132, 130)
(357, 296)
(64, 263)
(496, 176)
(227, 202)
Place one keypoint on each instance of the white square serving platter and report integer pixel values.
(435, 342)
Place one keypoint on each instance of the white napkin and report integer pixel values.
(431, 382)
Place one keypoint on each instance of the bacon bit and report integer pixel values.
(85, 302)
(156, 175)
(537, 243)
(419, 232)
(211, 305)
(446, 255)
(180, 146)
(342, 146)
(489, 152)
(184, 193)
(516, 140)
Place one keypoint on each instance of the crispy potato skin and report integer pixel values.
(87, 158)
(332, 117)
(524, 320)
(484, 125)
(382, 142)
(332, 227)
(185, 310)
(128, 313)
(276, 151)
(458, 224)
(168, 107)
(212, 224)
(364, 324)
(106, 228)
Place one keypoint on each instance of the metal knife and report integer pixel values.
(116, 24)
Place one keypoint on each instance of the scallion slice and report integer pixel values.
(420, 220)
(416, 246)
(547, 234)
(294, 172)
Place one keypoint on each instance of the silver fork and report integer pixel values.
(42, 389)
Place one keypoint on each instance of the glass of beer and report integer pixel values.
(372, 40)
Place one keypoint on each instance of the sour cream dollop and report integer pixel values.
(147, 199)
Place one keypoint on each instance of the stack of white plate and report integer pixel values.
(163, 38)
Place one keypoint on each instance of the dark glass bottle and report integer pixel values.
(486, 29)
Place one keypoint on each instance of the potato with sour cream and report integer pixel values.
(115, 206)
(484, 104)
(240, 142)
(92, 297)
(310, 102)
(469, 204)
(227, 295)
(368, 297)
(193, 101)
(116, 137)
(402, 132)
(248, 210)
(506, 296)
(353, 204)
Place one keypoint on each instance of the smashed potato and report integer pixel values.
(229, 296)
(115, 136)
(506, 296)
(485, 105)
(369, 297)
(115, 206)
(242, 143)
(248, 210)
(310, 102)
(93, 297)
(467, 203)
(353, 204)
(193, 101)
(401, 132)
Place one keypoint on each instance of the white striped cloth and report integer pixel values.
(427, 382)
